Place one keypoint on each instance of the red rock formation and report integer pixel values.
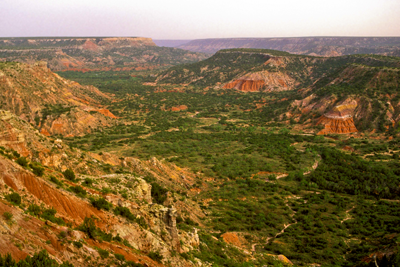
(264, 80)
(89, 45)
(234, 239)
(179, 108)
(106, 112)
(246, 85)
(338, 125)
(340, 118)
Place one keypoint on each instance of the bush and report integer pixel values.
(155, 256)
(88, 182)
(55, 180)
(34, 209)
(14, 198)
(103, 253)
(79, 191)
(158, 193)
(125, 212)
(22, 161)
(7, 216)
(119, 257)
(88, 226)
(37, 169)
(77, 244)
(69, 175)
(100, 203)
(48, 214)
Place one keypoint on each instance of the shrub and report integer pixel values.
(100, 203)
(34, 210)
(119, 257)
(103, 253)
(22, 161)
(55, 180)
(7, 216)
(14, 198)
(158, 193)
(77, 244)
(48, 214)
(79, 191)
(69, 175)
(125, 212)
(106, 190)
(155, 256)
(37, 169)
(89, 227)
(88, 182)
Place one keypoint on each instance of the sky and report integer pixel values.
(185, 19)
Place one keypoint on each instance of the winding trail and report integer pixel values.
(253, 246)
(348, 217)
(314, 166)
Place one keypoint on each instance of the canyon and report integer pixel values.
(91, 54)
(313, 46)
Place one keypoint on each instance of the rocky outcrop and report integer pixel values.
(245, 85)
(262, 81)
(234, 239)
(56, 105)
(340, 119)
(179, 108)
(337, 126)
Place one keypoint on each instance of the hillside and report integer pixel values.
(52, 211)
(54, 105)
(323, 85)
(317, 46)
(94, 53)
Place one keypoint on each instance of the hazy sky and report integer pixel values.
(185, 19)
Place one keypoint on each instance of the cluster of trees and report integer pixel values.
(341, 172)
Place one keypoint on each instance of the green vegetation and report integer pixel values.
(7, 216)
(340, 172)
(38, 259)
(78, 190)
(47, 214)
(13, 198)
(155, 255)
(100, 203)
(158, 193)
(69, 175)
(89, 227)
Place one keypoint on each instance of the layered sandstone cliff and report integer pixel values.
(262, 81)
(339, 119)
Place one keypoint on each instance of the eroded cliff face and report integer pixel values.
(337, 125)
(339, 119)
(156, 232)
(53, 104)
(35, 190)
(262, 81)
